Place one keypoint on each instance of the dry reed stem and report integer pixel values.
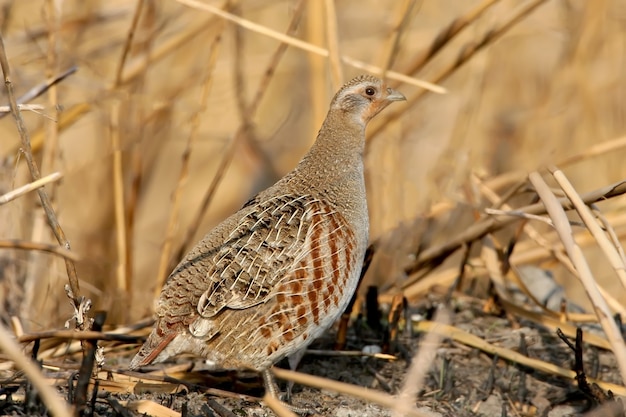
(556, 212)
(489, 255)
(128, 42)
(532, 233)
(36, 262)
(43, 247)
(366, 394)
(121, 240)
(132, 70)
(148, 407)
(464, 55)
(238, 67)
(610, 230)
(268, 74)
(35, 174)
(557, 252)
(297, 43)
(446, 277)
(317, 65)
(145, 55)
(241, 132)
(135, 174)
(277, 407)
(41, 88)
(595, 150)
(525, 253)
(332, 40)
(72, 335)
(134, 381)
(469, 339)
(403, 15)
(608, 247)
(519, 214)
(65, 120)
(552, 323)
(51, 145)
(56, 406)
(35, 108)
(351, 353)
(27, 188)
(420, 365)
(138, 66)
(448, 34)
(166, 251)
(429, 257)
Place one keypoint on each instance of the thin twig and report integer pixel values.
(119, 201)
(332, 39)
(466, 338)
(297, 43)
(43, 247)
(239, 67)
(556, 212)
(277, 407)
(366, 394)
(128, 43)
(36, 108)
(519, 214)
(613, 256)
(132, 69)
(428, 258)
(448, 34)
(52, 129)
(241, 131)
(420, 365)
(595, 150)
(34, 171)
(610, 230)
(27, 188)
(73, 335)
(87, 366)
(41, 88)
(164, 263)
(53, 401)
(463, 57)
(317, 88)
(403, 14)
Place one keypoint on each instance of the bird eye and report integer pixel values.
(370, 91)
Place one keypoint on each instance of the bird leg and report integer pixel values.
(270, 383)
(294, 360)
(272, 388)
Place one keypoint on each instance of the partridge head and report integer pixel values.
(273, 276)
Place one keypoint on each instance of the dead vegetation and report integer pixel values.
(143, 123)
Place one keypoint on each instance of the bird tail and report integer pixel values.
(151, 349)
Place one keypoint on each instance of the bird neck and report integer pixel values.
(332, 170)
(338, 149)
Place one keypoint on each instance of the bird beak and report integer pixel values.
(393, 95)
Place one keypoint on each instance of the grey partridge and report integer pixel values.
(272, 277)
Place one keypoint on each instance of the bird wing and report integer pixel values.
(243, 258)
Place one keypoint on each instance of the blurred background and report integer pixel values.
(171, 123)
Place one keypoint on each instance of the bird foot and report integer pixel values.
(285, 397)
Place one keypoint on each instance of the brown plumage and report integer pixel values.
(273, 276)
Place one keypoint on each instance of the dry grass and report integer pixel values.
(179, 113)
